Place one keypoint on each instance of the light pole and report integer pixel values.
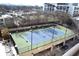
(53, 32)
(65, 34)
(31, 39)
(52, 47)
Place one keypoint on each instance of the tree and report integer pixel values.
(63, 17)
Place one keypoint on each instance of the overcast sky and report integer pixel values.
(35, 2)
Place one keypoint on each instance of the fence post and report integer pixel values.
(52, 52)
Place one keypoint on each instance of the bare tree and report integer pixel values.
(63, 17)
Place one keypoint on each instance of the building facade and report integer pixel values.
(71, 8)
(62, 7)
(74, 9)
(56, 7)
(6, 21)
(49, 7)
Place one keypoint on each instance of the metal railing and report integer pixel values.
(41, 44)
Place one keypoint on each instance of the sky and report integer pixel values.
(35, 2)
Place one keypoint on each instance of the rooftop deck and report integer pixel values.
(24, 43)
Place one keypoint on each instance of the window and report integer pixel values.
(1, 20)
(1, 23)
(60, 7)
(62, 3)
(75, 4)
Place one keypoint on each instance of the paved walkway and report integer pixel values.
(2, 50)
(10, 51)
(7, 50)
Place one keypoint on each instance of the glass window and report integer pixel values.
(75, 4)
(62, 3)
(1, 20)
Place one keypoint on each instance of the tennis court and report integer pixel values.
(42, 35)
(34, 39)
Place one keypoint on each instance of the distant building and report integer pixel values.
(56, 7)
(74, 9)
(31, 8)
(6, 20)
(49, 7)
(62, 7)
(37, 8)
(71, 8)
(10, 8)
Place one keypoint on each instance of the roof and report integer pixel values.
(6, 16)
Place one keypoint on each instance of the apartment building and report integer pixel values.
(71, 8)
(6, 20)
(74, 9)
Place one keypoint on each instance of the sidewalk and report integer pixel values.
(2, 50)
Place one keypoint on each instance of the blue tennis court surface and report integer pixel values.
(41, 35)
